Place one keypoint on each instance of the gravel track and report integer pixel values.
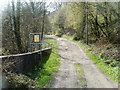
(67, 77)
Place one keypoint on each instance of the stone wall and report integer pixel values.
(26, 61)
(22, 63)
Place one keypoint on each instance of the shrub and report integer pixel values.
(75, 37)
(59, 33)
(114, 63)
(20, 81)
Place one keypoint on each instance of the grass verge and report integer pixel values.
(43, 73)
(112, 72)
(81, 75)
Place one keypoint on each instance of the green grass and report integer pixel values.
(79, 69)
(112, 72)
(80, 73)
(43, 73)
(68, 37)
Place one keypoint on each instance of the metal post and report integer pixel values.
(32, 43)
(30, 47)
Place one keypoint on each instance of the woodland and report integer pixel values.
(96, 24)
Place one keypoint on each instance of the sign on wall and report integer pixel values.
(35, 38)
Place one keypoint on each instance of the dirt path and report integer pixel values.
(67, 77)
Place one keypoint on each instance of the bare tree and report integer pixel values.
(43, 22)
(16, 24)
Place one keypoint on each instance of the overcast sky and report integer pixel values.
(3, 3)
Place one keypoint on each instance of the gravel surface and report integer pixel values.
(71, 53)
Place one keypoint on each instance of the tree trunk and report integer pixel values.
(87, 23)
(16, 25)
(43, 22)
